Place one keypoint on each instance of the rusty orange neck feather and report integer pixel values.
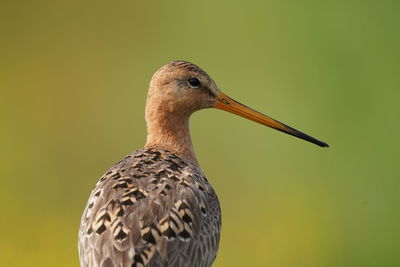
(168, 128)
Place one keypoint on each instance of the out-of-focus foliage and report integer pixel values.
(73, 80)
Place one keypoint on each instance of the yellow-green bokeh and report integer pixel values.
(73, 81)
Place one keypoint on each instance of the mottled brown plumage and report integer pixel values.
(156, 207)
(153, 208)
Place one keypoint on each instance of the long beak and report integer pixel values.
(226, 103)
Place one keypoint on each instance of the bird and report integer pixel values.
(156, 207)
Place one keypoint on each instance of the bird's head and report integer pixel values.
(183, 87)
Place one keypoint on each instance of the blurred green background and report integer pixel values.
(74, 77)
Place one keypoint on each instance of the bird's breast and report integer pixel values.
(151, 209)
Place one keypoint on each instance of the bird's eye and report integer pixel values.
(194, 82)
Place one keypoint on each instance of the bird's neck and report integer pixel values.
(170, 130)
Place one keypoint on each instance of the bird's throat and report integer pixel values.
(170, 130)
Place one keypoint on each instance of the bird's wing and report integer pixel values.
(151, 209)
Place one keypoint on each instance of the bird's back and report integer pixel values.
(151, 209)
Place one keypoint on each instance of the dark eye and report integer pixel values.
(194, 82)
